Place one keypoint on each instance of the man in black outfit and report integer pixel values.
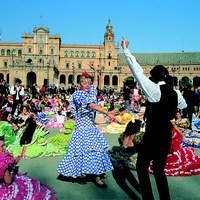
(191, 101)
(17, 91)
(162, 102)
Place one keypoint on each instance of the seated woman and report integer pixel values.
(191, 137)
(27, 140)
(14, 185)
(135, 106)
(196, 120)
(45, 103)
(41, 117)
(181, 123)
(7, 116)
(119, 125)
(23, 116)
(31, 139)
(7, 128)
(57, 121)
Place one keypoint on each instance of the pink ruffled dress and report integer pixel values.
(23, 187)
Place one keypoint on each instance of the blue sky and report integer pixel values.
(149, 25)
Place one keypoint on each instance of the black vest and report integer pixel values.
(15, 95)
(163, 111)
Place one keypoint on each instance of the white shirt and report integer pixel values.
(150, 89)
(13, 91)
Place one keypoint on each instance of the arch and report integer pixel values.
(77, 53)
(185, 80)
(114, 80)
(66, 53)
(13, 52)
(130, 81)
(62, 79)
(196, 81)
(2, 52)
(93, 54)
(174, 81)
(8, 52)
(109, 55)
(7, 78)
(29, 61)
(19, 52)
(30, 78)
(78, 78)
(70, 79)
(82, 54)
(106, 80)
(71, 54)
(1, 76)
(87, 54)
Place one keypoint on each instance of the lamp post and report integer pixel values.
(99, 79)
(173, 71)
(48, 65)
(73, 73)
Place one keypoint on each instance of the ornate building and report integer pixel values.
(42, 59)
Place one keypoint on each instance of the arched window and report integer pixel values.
(70, 79)
(2, 52)
(93, 54)
(19, 52)
(67, 65)
(29, 50)
(109, 55)
(88, 54)
(82, 54)
(14, 52)
(40, 51)
(78, 78)
(71, 54)
(107, 80)
(8, 52)
(77, 54)
(62, 79)
(114, 80)
(66, 54)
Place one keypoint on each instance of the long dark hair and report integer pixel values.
(5, 115)
(132, 128)
(29, 131)
(2, 138)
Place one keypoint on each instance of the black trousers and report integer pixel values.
(154, 148)
(15, 103)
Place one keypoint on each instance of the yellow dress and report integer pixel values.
(117, 128)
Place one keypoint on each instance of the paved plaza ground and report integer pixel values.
(44, 169)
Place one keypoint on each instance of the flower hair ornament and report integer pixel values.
(133, 120)
(85, 74)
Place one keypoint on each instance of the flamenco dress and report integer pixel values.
(6, 130)
(23, 187)
(40, 145)
(116, 128)
(181, 161)
(192, 137)
(87, 149)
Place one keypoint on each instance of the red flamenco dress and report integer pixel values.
(181, 161)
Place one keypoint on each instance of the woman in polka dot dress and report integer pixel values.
(86, 156)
